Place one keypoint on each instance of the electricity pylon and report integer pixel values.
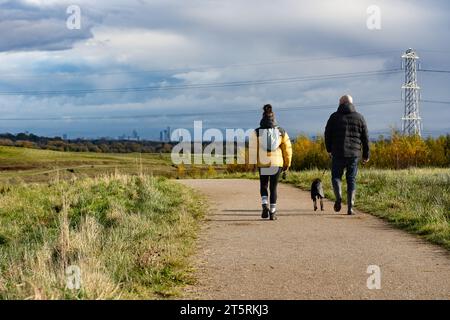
(412, 123)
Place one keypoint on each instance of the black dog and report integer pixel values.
(317, 193)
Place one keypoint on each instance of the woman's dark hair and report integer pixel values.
(268, 113)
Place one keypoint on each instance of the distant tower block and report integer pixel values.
(412, 123)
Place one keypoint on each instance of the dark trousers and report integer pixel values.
(269, 182)
(350, 165)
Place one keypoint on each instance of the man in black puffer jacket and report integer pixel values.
(346, 139)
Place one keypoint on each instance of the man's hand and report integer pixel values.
(365, 161)
(330, 155)
(285, 168)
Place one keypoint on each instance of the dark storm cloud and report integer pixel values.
(26, 27)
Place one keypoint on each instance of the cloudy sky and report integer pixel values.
(170, 62)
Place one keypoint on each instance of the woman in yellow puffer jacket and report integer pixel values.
(272, 149)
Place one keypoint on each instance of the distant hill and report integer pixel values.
(29, 140)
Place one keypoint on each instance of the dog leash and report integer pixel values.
(325, 170)
(284, 174)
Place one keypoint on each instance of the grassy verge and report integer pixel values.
(22, 165)
(130, 236)
(416, 200)
(30, 165)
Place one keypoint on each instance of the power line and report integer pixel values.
(390, 131)
(434, 51)
(436, 101)
(204, 85)
(434, 71)
(197, 68)
(240, 111)
(283, 109)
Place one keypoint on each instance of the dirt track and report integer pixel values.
(307, 255)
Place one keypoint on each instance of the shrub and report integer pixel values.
(398, 152)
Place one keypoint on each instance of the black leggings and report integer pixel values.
(264, 185)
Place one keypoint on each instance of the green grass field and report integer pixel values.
(32, 165)
(131, 237)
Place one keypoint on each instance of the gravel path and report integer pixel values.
(306, 255)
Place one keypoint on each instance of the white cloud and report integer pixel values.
(197, 77)
(136, 48)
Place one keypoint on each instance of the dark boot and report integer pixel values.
(273, 212)
(273, 215)
(265, 211)
(337, 188)
(351, 202)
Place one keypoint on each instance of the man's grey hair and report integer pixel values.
(346, 99)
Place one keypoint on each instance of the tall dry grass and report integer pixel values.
(130, 236)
